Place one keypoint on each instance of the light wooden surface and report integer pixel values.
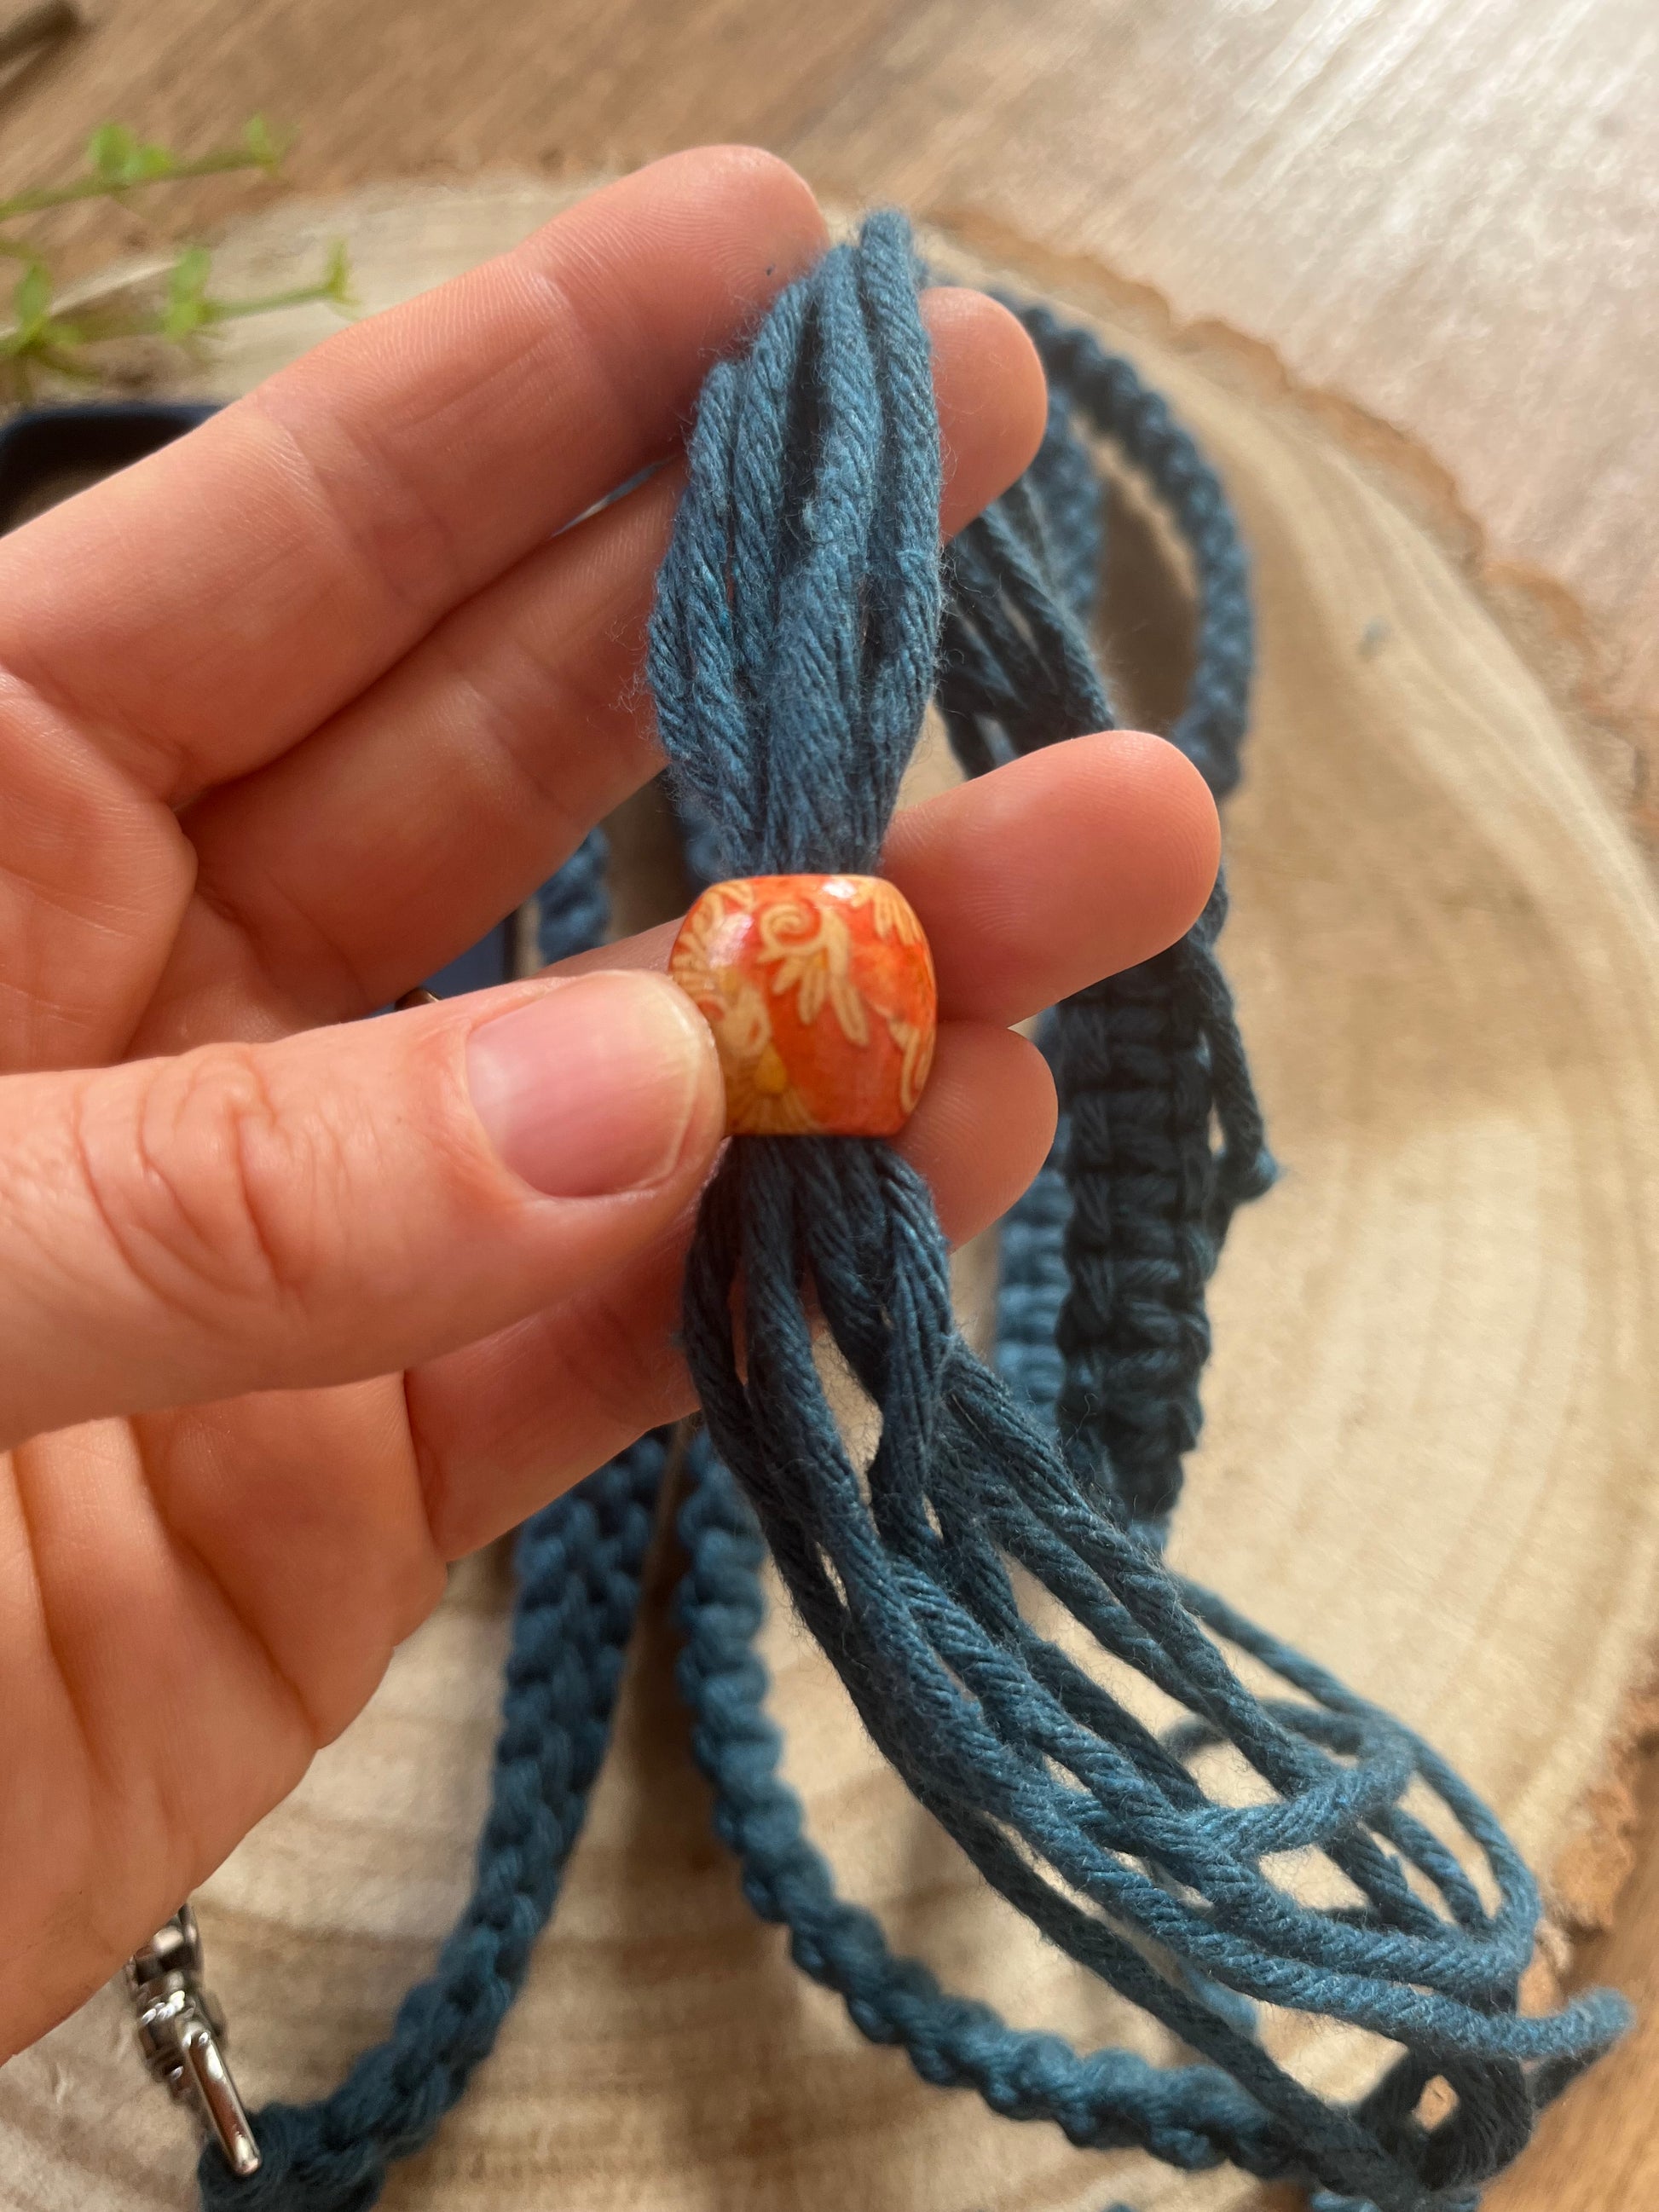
(1427, 1456)
(1446, 210)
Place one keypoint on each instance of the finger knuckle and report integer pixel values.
(205, 1194)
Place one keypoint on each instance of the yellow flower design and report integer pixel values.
(768, 960)
(759, 1095)
(809, 952)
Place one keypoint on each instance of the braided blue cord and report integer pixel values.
(574, 907)
(800, 628)
(579, 1564)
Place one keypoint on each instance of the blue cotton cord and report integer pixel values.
(573, 909)
(762, 645)
(801, 624)
(579, 1564)
(901, 1569)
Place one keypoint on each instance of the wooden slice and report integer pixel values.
(1432, 1416)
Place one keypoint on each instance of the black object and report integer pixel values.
(48, 447)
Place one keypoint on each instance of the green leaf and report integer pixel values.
(188, 273)
(336, 284)
(31, 301)
(110, 151)
(187, 305)
(149, 162)
(262, 143)
(119, 158)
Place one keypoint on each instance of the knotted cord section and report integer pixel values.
(1103, 1318)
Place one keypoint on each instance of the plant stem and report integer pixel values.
(93, 188)
(303, 295)
(105, 333)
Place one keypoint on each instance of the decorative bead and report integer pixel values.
(820, 991)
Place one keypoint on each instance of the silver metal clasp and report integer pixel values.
(181, 2034)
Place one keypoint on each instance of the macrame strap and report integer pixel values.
(1103, 1326)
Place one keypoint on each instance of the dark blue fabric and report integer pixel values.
(804, 620)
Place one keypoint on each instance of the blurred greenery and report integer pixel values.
(45, 341)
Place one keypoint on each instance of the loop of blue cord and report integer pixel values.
(800, 629)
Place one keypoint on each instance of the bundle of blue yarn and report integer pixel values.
(805, 620)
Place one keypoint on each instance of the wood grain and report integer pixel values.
(1598, 2151)
(1431, 1429)
(1446, 210)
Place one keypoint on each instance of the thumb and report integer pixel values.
(341, 1203)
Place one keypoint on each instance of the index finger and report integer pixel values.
(200, 612)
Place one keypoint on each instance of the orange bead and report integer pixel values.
(820, 991)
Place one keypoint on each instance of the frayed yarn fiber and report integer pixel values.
(805, 621)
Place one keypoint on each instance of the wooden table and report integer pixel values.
(1445, 210)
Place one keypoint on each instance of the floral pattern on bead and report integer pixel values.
(820, 991)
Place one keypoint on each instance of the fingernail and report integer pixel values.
(592, 1089)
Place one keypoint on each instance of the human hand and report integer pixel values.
(298, 1307)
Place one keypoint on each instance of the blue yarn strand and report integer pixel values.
(804, 619)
